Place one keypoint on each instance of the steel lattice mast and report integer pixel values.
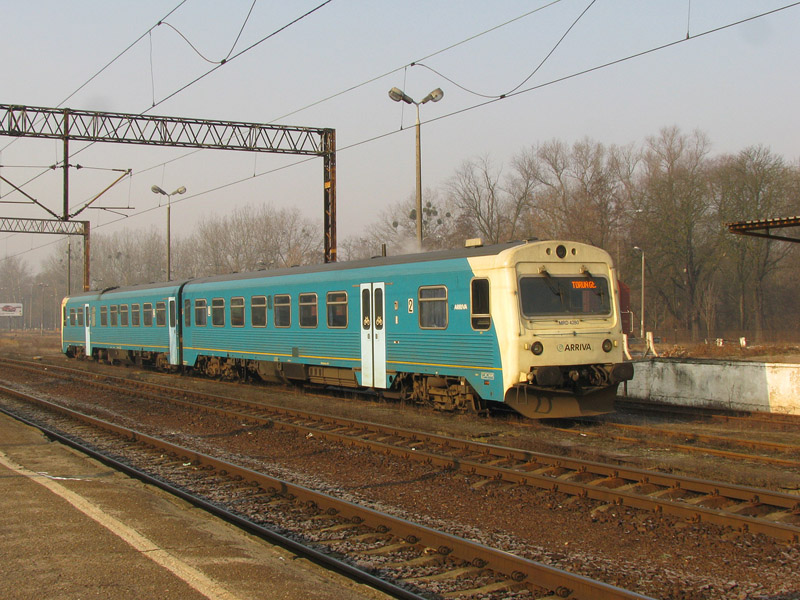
(121, 128)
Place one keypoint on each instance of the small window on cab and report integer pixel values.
(479, 304)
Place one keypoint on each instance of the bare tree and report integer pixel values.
(753, 184)
(681, 233)
(253, 238)
(476, 192)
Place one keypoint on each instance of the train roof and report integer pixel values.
(170, 287)
(376, 261)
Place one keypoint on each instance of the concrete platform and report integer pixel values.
(72, 528)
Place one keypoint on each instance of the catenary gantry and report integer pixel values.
(94, 126)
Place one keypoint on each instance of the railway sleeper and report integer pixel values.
(452, 574)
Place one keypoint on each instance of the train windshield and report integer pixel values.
(558, 295)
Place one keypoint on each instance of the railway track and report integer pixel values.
(404, 559)
(648, 434)
(751, 420)
(742, 508)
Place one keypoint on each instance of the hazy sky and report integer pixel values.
(739, 85)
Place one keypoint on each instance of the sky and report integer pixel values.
(333, 68)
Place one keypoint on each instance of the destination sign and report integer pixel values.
(584, 284)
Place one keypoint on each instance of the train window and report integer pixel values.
(200, 312)
(135, 315)
(308, 310)
(337, 309)
(561, 295)
(433, 307)
(147, 314)
(187, 313)
(378, 308)
(173, 313)
(237, 312)
(258, 311)
(103, 316)
(123, 315)
(479, 304)
(161, 314)
(94, 316)
(365, 308)
(64, 315)
(283, 310)
(72, 317)
(114, 315)
(79, 314)
(218, 312)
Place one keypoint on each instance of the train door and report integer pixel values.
(172, 316)
(88, 329)
(373, 335)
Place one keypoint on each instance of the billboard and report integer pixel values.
(10, 309)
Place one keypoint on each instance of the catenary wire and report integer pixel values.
(453, 113)
(238, 54)
(109, 63)
(320, 101)
(524, 81)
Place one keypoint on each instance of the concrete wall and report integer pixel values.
(753, 386)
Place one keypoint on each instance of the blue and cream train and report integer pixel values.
(534, 325)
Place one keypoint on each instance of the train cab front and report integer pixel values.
(570, 348)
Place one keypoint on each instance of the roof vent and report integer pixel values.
(473, 243)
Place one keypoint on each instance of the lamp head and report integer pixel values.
(398, 95)
(434, 96)
(157, 190)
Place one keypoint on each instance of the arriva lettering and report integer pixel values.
(574, 347)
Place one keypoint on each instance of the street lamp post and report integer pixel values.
(157, 190)
(399, 95)
(641, 330)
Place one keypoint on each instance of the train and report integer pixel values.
(532, 326)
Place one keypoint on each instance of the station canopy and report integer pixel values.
(766, 228)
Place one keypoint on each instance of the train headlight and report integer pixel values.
(561, 251)
(537, 348)
(607, 345)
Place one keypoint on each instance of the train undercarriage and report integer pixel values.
(573, 391)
